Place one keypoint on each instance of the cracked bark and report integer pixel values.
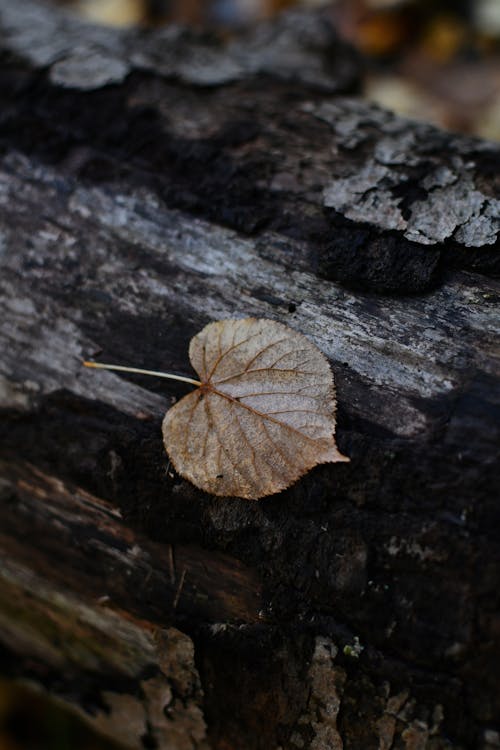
(151, 182)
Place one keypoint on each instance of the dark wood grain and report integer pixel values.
(360, 608)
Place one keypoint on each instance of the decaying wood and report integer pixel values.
(116, 563)
(153, 182)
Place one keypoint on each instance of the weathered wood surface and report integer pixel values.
(149, 183)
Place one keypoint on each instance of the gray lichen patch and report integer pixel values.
(296, 46)
(399, 721)
(449, 204)
(349, 119)
(481, 228)
(43, 36)
(284, 48)
(365, 197)
(86, 69)
(32, 32)
(172, 53)
(457, 210)
(326, 686)
(445, 210)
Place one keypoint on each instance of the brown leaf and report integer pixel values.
(263, 415)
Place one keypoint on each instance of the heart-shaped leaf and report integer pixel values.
(263, 415)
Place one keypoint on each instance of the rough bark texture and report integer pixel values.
(150, 183)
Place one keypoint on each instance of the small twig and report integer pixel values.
(148, 576)
(179, 588)
(171, 563)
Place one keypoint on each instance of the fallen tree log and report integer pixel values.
(152, 182)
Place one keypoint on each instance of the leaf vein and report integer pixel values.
(264, 369)
(221, 444)
(264, 415)
(228, 351)
(278, 449)
(286, 354)
(262, 457)
(264, 349)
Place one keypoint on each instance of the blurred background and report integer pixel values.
(434, 60)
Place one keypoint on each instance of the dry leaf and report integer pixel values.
(263, 415)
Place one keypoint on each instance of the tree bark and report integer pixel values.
(151, 182)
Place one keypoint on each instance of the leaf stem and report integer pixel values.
(121, 368)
